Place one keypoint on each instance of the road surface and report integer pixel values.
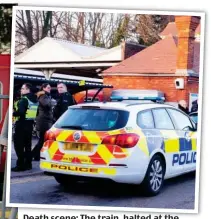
(178, 193)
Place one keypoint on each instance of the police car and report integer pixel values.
(126, 142)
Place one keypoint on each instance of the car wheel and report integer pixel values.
(153, 181)
(64, 180)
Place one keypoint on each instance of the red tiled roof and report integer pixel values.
(158, 58)
(170, 30)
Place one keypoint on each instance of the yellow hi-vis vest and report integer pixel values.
(31, 111)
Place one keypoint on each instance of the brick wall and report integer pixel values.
(186, 26)
(164, 84)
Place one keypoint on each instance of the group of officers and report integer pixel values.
(42, 109)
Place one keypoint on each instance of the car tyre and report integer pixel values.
(64, 180)
(154, 178)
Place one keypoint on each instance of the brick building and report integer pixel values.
(175, 56)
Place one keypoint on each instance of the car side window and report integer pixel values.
(181, 120)
(162, 119)
(194, 117)
(145, 120)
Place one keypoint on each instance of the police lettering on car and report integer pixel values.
(184, 158)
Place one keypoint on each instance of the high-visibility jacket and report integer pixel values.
(31, 110)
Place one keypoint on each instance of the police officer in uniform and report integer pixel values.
(25, 111)
(183, 106)
(194, 107)
(64, 100)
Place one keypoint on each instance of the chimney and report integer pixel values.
(171, 18)
(186, 26)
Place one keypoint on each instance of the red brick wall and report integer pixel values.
(186, 26)
(164, 84)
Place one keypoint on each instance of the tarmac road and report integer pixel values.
(33, 187)
(178, 193)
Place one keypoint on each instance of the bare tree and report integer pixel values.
(96, 29)
(74, 27)
(5, 27)
(149, 26)
(32, 26)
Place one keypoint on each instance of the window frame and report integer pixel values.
(174, 121)
(57, 125)
(164, 108)
(142, 111)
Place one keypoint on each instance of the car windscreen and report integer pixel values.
(92, 119)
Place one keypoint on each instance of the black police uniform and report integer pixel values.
(23, 134)
(63, 101)
(194, 107)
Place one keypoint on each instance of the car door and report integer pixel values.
(171, 144)
(153, 138)
(188, 146)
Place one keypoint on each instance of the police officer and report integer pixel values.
(194, 107)
(25, 111)
(64, 100)
(183, 106)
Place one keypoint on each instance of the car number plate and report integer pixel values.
(78, 147)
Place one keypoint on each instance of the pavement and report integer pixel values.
(35, 165)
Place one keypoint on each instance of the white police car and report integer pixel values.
(127, 142)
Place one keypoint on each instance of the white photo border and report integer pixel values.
(51, 8)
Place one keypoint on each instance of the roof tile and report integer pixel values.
(170, 29)
(158, 58)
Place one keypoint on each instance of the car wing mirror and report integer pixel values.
(188, 128)
(193, 129)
